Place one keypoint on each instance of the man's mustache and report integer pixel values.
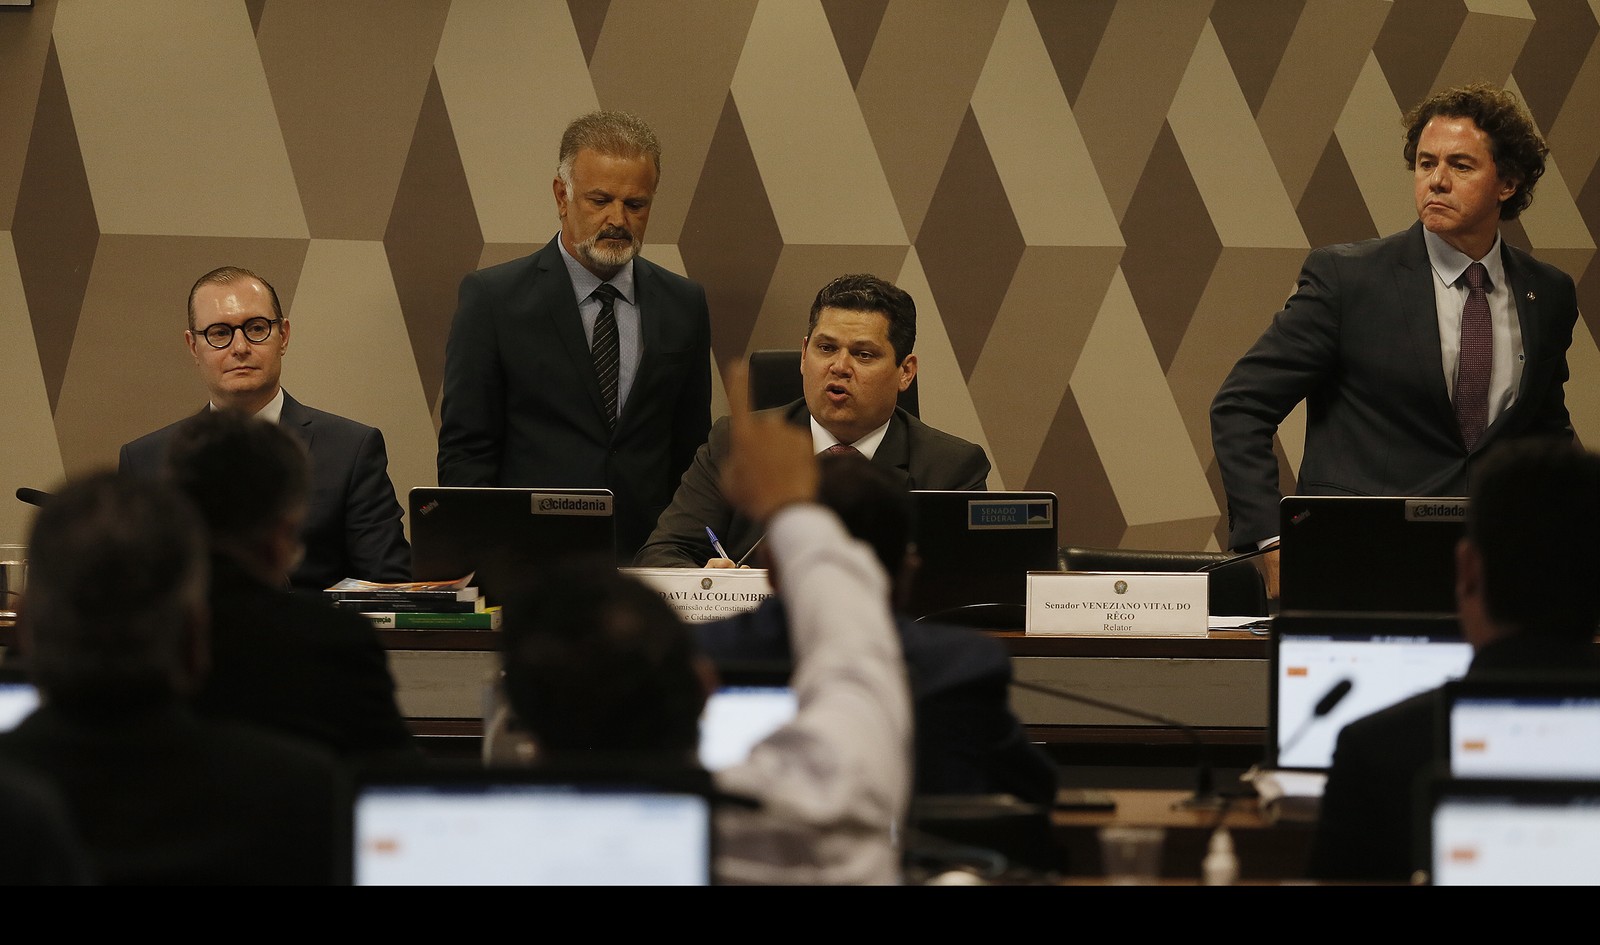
(614, 233)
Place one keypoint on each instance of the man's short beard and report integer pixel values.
(601, 256)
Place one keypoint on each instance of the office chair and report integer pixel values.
(1235, 590)
(775, 380)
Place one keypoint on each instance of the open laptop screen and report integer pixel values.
(978, 547)
(18, 698)
(1531, 728)
(500, 533)
(1386, 658)
(1492, 832)
(529, 827)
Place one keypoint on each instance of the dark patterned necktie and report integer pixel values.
(604, 349)
(1477, 355)
(842, 449)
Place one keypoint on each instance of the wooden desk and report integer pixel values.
(1267, 851)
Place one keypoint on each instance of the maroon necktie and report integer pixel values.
(604, 349)
(1477, 355)
(842, 449)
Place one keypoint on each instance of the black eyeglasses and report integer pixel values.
(256, 330)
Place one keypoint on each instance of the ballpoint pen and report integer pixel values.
(747, 554)
(716, 543)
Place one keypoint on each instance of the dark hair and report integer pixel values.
(228, 275)
(613, 133)
(1514, 141)
(1534, 512)
(117, 569)
(244, 474)
(860, 292)
(596, 661)
(872, 503)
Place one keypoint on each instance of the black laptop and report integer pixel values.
(1522, 727)
(1349, 665)
(977, 548)
(499, 534)
(1369, 553)
(599, 824)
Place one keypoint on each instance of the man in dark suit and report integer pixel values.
(238, 336)
(582, 365)
(1526, 576)
(113, 632)
(1408, 371)
(855, 360)
(282, 659)
(967, 739)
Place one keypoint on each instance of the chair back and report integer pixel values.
(1235, 590)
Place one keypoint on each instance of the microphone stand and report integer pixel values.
(1205, 794)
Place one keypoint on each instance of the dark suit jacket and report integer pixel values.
(162, 797)
(521, 403)
(1358, 341)
(293, 663)
(1369, 814)
(354, 524)
(925, 458)
(967, 739)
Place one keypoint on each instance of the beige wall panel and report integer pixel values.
(1321, 64)
(1037, 147)
(130, 371)
(1583, 393)
(349, 354)
(1575, 134)
(1054, 299)
(1488, 44)
(32, 458)
(807, 134)
(800, 272)
(1128, 92)
(944, 400)
(671, 62)
(177, 126)
(914, 102)
(24, 44)
(1229, 161)
(1195, 534)
(1246, 288)
(513, 76)
(348, 104)
(1373, 140)
(1137, 430)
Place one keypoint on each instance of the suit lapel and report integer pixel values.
(553, 300)
(1420, 314)
(1525, 294)
(646, 297)
(296, 418)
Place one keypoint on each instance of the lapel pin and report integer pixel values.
(1530, 296)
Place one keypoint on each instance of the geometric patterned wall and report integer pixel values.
(1097, 205)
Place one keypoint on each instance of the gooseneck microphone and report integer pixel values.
(1235, 559)
(32, 496)
(1331, 698)
(1205, 794)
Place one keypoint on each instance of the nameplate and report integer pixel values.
(702, 594)
(1117, 603)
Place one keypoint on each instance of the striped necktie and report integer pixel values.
(605, 351)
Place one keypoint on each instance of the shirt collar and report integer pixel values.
(1449, 263)
(867, 445)
(585, 282)
(272, 411)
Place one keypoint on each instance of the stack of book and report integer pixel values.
(417, 605)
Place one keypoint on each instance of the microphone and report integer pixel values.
(1205, 794)
(1331, 698)
(32, 496)
(1235, 559)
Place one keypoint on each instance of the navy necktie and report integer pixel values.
(1477, 356)
(606, 359)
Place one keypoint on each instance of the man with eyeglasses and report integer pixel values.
(238, 335)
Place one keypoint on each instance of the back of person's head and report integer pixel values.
(872, 503)
(596, 661)
(115, 613)
(1534, 515)
(246, 476)
(862, 292)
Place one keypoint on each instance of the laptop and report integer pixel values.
(977, 548)
(1384, 658)
(498, 533)
(1522, 728)
(749, 704)
(595, 825)
(1369, 553)
(1498, 832)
